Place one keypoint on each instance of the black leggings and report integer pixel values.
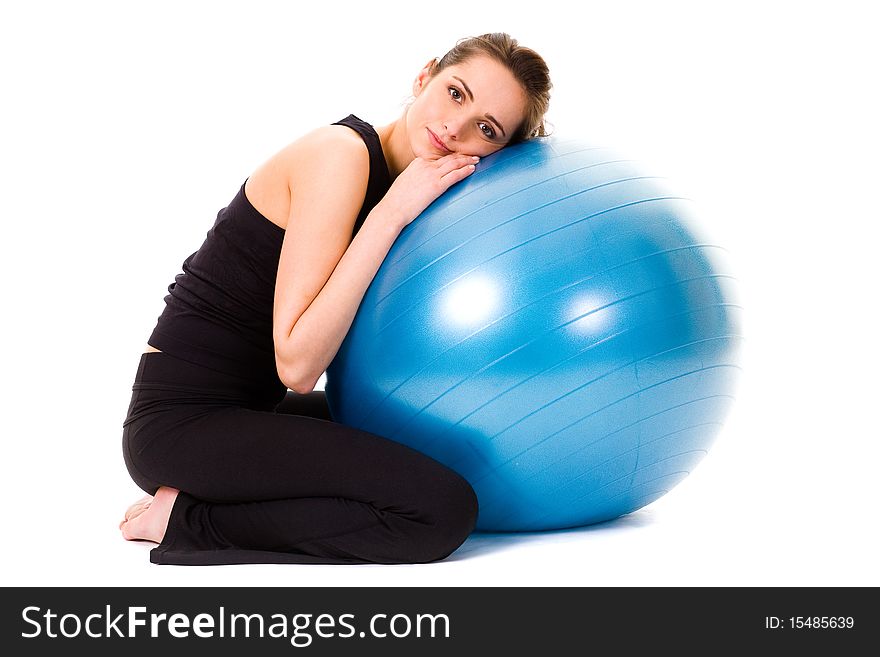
(281, 483)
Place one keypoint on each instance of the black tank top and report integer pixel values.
(218, 312)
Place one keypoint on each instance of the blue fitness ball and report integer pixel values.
(557, 329)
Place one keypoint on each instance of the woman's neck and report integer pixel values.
(395, 145)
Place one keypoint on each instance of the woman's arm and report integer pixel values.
(322, 273)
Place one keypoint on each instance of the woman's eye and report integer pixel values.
(488, 130)
(455, 93)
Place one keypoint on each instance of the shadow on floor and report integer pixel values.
(480, 543)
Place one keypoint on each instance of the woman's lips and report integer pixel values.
(436, 141)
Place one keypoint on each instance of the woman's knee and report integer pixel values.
(136, 466)
(449, 517)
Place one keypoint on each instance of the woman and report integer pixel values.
(240, 470)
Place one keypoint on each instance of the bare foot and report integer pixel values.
(147, 519)
(137, 508)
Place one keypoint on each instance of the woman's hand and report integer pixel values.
(423, 181)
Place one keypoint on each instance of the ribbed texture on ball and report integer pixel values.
(557, 330)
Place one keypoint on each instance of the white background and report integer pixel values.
(126, 127)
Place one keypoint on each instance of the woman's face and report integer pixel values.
(472, 108)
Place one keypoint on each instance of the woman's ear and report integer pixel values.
(424, 77)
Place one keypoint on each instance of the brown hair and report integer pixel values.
(527, 66)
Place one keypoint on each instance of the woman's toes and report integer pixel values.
(137, 507)
(134, 511)
(148, 518)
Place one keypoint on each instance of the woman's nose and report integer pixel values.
(453, 128)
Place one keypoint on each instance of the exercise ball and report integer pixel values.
(557, 329)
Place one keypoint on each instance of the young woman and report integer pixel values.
(239, 469)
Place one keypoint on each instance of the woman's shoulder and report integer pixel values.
(336, 137)
(329, 143)
(330, 149)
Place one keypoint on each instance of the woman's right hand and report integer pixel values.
(422, 182)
